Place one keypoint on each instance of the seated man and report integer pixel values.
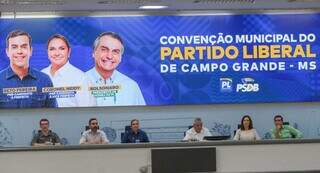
(197, 132)
(283, 131)
(135, 134)
(45, 136)
(93, 135)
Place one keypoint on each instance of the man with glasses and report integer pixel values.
(197, 132)
(109, 86)
(282, 131)
(45, 137)
(94, 135)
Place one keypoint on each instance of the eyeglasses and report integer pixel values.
(94, 123)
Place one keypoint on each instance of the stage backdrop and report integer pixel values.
(177, 60)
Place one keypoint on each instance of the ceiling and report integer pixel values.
(133, 5)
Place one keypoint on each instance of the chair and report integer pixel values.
(189, 127)
(234, 132)
(126, 129)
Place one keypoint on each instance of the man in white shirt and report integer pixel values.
(109, 86)
(197, 132)
(94, 135)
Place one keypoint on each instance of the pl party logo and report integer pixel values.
(225, 84)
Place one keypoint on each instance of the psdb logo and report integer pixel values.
(225, 84)
(247, 85)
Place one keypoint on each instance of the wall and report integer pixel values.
(165, 123)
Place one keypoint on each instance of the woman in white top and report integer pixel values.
(72, 83)
(246, 131)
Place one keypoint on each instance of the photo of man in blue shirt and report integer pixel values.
(20, 85)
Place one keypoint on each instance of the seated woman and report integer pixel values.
(246, 131)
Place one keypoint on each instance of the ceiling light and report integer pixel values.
(153, 7)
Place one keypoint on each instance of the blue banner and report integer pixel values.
(160, 60)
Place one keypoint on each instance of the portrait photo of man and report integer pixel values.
(109, 86)
(20, 85)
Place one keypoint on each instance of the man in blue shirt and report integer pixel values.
(135, 134)
(20, 85)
